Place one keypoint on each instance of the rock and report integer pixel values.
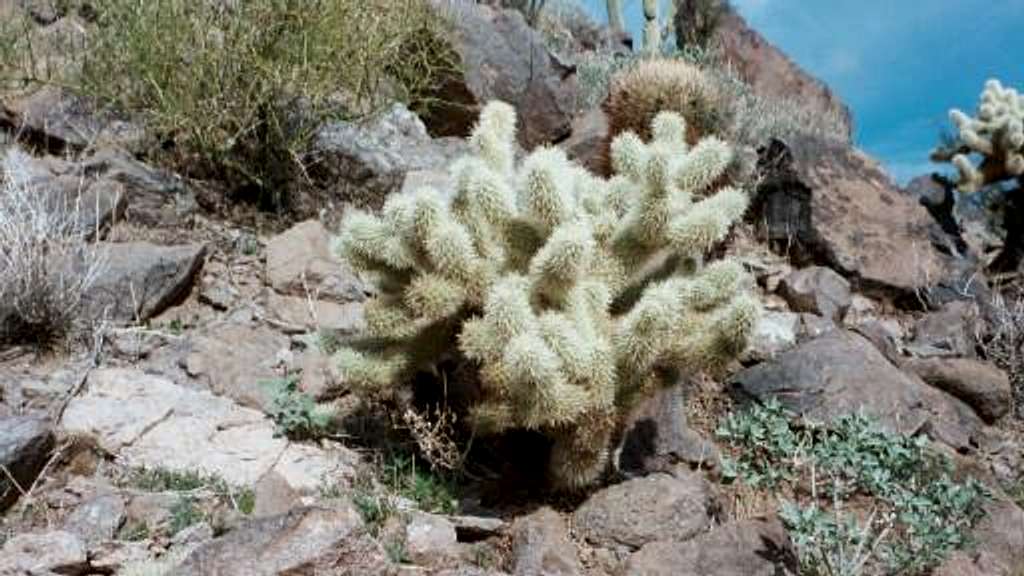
(657, 437)
(140, 280)
(430, 540)
(882, 338)
(999, 548)
(744, 548)
(154, 197)
(94, 203)
(981, 385)
(771, 73)
(300, 263)
(946, 332)
(364, 162)
(237, 360)
(54, 118)
(812, 326)
(648, 509)
(25, 446)
(842, 373)
(817, 290)
(110, 557)
(303, 541)
(503, 58)
(774, 333)
(148, 421)
(44, 554)
(299, 315)
(588, 141)
(273, 496)
(831, 204)
(96, 520)
(541, 546)
(476, 528)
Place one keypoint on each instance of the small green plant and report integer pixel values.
(191, 483)
(296, 414)
(430, 490)
(395, 550)
(134, 532)
(918, 516)
(184, 513)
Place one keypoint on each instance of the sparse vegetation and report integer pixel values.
(192, 487)
(695, 22)
(234, 90)
(1003, 341)
(47, 260)
(296, 414)
(871, 500)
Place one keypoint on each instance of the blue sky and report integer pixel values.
(899, 64)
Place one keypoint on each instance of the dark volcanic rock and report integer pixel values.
(25, 445)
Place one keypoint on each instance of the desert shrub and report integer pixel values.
(996, 134)
(1003, 341)
(233, 90)
(47, 261)
(572, 295)
(916, 514)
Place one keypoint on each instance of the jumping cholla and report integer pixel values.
(997, 134)
(573, 295)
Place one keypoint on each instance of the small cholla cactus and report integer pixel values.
(997, 134)
(572, 295)
(638, 93)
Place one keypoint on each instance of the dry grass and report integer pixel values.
(1003, 342)
(233, 90)
(47, 262)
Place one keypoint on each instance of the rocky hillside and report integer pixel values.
(173, 395)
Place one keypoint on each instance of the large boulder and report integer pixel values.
(25, 445)
(140, 279)
(237, 361)
(362, 162)
(744, 548)
(503, 58)
(659, 507)
(828, 203)
(842, 373)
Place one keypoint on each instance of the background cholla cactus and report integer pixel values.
(997, 134)
(654, 85)
(572, 294)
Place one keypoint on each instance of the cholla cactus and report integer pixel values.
(572, 294)
(637, 94)
(997, 134)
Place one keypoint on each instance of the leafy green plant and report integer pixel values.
(295, 413)
(430, 490)
(918, 516)
(571, 295)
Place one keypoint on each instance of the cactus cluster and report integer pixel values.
(996, 134)
(571, 294)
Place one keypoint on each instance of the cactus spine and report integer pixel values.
(996, 133)
(572, 294)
